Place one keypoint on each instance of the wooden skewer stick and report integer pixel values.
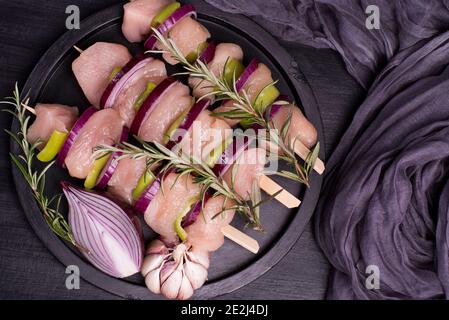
(302, 151)
(284, 197)
(241, 238)
(28, 108)
(78, 49)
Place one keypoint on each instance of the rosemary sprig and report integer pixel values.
(243, 108)
(157, 154)
(35, 178)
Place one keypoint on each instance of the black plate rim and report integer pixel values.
(265, 261)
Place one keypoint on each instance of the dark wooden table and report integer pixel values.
(28, 269)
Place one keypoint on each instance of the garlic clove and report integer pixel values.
(167, 269)
(152, 280)
(151, 262)
(199, 256)
(186, 289)
(170, 288)
(196, 274)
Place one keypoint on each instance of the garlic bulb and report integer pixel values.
(174, 272)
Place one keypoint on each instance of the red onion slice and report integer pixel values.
(191, 116)
(149, 194)
(193, 214)
(147, 105)
(112, 163)
(121, 78)
(100, 226)
(79, 124)
(169, 23)
(124, 135)
(208, 54)
(108, 170)
(231, 154)
(240, 82)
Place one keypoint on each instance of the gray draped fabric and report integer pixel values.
(385, 201)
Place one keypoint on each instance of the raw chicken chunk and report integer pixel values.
(154, 71)
(137, 18)
(170, 201)
(51, 117)
(169, 107)
(205, 134)
(103, 127)
(187, 35)
(300, 128)
(125, 178)
(94, 66)
(205, 233)
(258, 80)
(223, 53)
(250, 166)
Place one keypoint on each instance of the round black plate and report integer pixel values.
(231, 267)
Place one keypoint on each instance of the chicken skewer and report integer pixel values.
(179, 28)
(274, 191)
(259, 88)
(78, 135)
(169, 109)
(53, 117)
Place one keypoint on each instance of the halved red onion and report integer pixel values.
(154, 96)
(193, 214)
(79, 124)
(174, 18)
(208, 54)
(252, 66)
(117, 83)
(105, 230)
(112, 163)
(231, 154)
(191, 116)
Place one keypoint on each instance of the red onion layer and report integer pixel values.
(112, 163)
(117, 83)
(191, 116)
(79, 124)
(208, 54)
(169, 23)
(147, 105)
